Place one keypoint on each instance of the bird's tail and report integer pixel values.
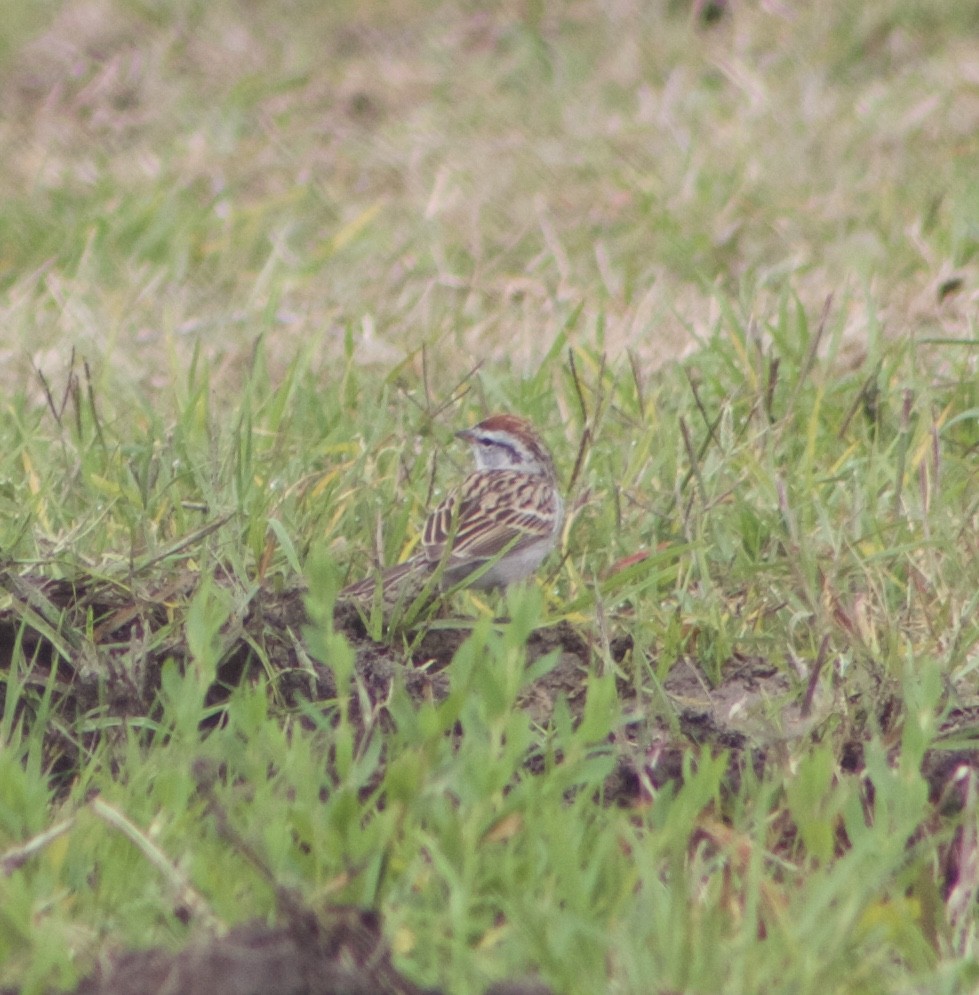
(398, 586)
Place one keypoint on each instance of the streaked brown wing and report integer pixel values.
(493, 516)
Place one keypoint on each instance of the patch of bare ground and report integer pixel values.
(101, 647)
(340, 949)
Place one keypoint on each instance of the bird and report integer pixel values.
(494, 530)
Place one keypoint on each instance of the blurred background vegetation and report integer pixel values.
(475, 176)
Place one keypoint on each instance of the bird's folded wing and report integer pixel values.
(482, 525)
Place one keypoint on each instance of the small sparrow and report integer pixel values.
(505, 519)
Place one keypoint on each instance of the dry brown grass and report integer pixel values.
(477, 180)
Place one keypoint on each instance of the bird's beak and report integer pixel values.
(466, 433)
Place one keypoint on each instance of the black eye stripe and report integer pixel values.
(501, 445)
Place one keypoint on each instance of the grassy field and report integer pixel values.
(258, 263)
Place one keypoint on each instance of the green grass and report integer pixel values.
(258, 266)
